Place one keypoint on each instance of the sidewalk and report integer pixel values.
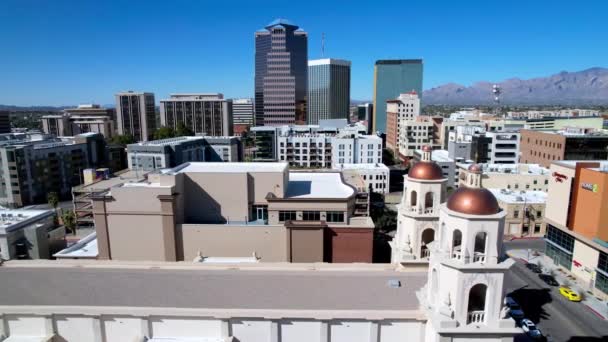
(599, 307)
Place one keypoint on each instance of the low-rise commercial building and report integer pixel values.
(206, 114)
(170, 152)
(546, 147)
(517, 177)
(29, 234)
(577, 221)
(276, 214)
(525, 212)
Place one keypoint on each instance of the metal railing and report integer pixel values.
(477, 316)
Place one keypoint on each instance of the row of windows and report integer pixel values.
(560, 238)
(546, 143)
(331, 216)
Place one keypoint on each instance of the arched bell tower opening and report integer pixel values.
(413, 198)
(428, 236)
(428, 200)
(481, 240)
(477, 304)
(457, 244)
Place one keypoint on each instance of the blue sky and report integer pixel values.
(59, 52)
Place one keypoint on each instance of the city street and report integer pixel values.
(558, 318)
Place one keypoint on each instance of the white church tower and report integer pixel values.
(465, 291)
(418, 213)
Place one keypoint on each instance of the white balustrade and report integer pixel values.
(476, 317)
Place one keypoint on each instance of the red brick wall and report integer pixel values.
(391, 131)
(349, 245)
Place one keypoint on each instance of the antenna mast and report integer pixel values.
(323, 45)
(496, 91)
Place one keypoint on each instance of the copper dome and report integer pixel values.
(473, 201)
(476, 168)
(425, 170)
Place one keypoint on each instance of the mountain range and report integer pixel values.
(587, 87)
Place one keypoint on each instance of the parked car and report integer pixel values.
(549, 279)
(531, 329)
(515, 310)
(569, 293)
(533, 267)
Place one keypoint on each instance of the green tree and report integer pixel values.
(182, 130)
(123, 139)
(69, 220)
(53, 199)
(164, 133)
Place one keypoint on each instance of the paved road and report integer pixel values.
(558, 318)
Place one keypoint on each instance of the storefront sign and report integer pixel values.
(559, 177)
(590, 187)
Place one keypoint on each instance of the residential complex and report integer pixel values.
(281, 57)
(576, 217)
(243, 115)
(399, 113)
(391, 78)
(275, 214)
(525, 211)
(30, 169)
(546, 147)
(136, 115)
(328, 89)
(516, 177)
(83, 119)
(29, 234)
(203, 114)
(171, 152)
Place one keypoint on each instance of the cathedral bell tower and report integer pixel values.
(465, 291)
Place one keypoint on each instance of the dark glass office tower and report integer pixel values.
(391, 78)
(281, 55)
(328, 90)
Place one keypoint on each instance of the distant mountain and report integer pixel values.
(587, 87)
(31, 108)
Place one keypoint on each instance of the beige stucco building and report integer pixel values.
(233, 210)
(515, 177)
(525, 212)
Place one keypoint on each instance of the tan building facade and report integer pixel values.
(546, 147)
(233, 210)
(516, 177)
(576, 216)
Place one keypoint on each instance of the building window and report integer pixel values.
(311, 216)
(539, 214)
(287, 216)
(515, 213)
(335, 216)
(537, 228)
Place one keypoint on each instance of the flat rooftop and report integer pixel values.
(519, 169)
(438, 155)
(13, 219)
(572, 163)
(529, 197)
(348, 287)
(364, 166)
(119, 178)
(317, 185)
(220, 167)
(85, 248)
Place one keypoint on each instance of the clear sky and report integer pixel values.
(59, 52)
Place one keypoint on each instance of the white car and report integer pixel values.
(530, 329)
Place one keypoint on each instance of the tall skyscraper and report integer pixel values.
(242, 114)
(328, 89)
(136, 115)
(281, 55)
(203, 113)
(391, 78)
(5, 121)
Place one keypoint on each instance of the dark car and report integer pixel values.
(533, 267)
(549, 279)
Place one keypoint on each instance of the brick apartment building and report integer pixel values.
(545, 147)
